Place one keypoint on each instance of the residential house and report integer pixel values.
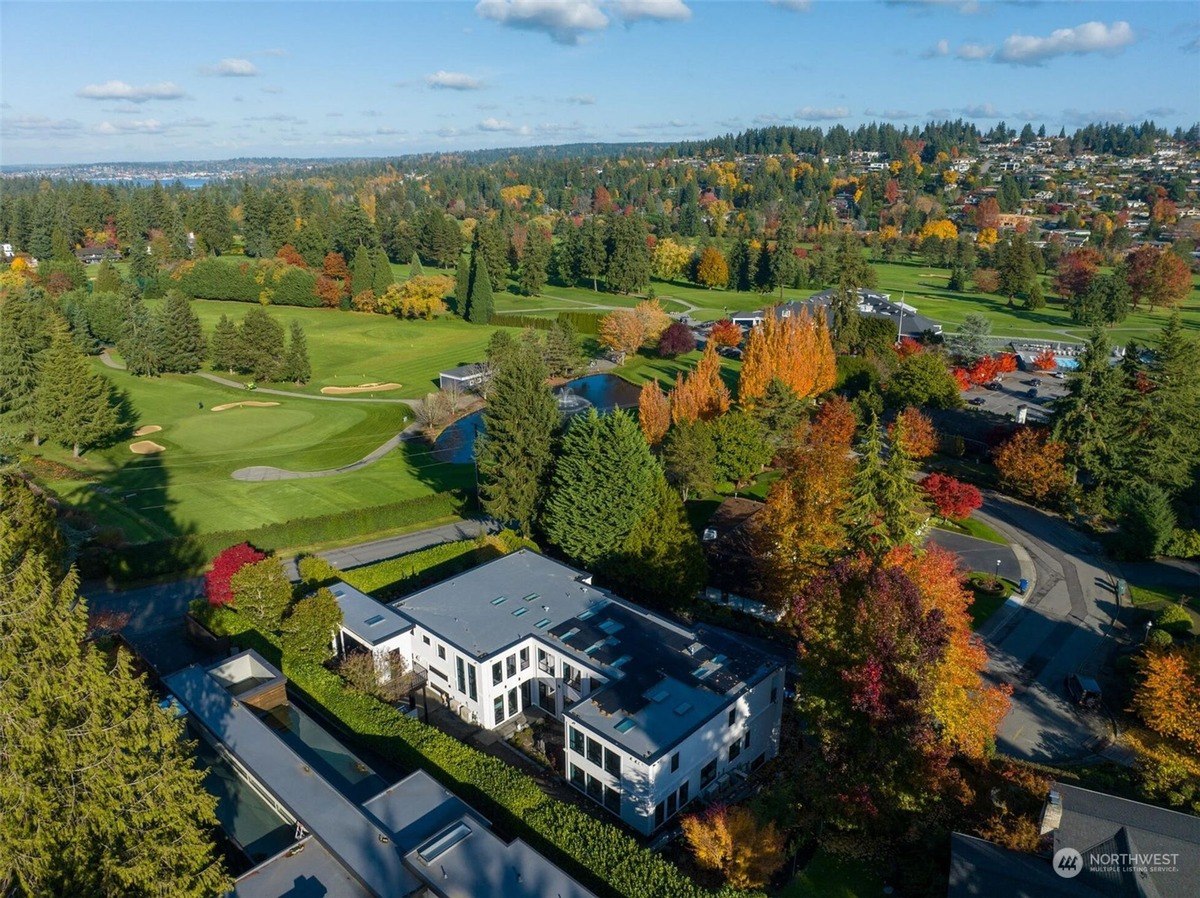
(464, 377)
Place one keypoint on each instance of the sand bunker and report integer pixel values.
(361, 388)
(147, 430)
(145, 447)
(248, 404)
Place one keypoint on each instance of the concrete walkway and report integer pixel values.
(110, 362)
(238, 385)
(260, 473)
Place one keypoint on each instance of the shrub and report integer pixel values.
(316, 571)
(309, 627)
(1184, 543)
(363, 673)
(521, 321)
(1159, 639)
(676, 340)
(1174, 619)
(218, 581)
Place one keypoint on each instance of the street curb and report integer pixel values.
(1028, 572)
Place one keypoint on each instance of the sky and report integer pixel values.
(167, 81)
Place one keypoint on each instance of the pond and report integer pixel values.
(604, 392)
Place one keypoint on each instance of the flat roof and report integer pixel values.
(463, 372)
(371, 621)
(359, 844)
(306, 869)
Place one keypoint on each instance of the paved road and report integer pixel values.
(1065, 626)
(257, 473)
(979, 554)
(156, 612)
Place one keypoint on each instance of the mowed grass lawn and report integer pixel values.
(188, 487)
(352, 348)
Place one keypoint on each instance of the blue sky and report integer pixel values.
(175, 80)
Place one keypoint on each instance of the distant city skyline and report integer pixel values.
(144, 82)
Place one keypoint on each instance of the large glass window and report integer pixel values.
(612, 800)
(594, 753)
(659, 814)
(735, 749)
(510, 664)
(513, 707)
(672, 804)
(595, 788)
(462, 675)
(732, 716)
(683, 794)
(472, 686)
(497, 673)
(498, 708)
(708, 773)
(612, 762)
(674, 762)
(576, 741)
(577, 777)
(524, 658)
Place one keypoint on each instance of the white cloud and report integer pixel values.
(888, 114)
(1090, 37)
(973, 51)
(495, 124)
(818, 114)
(139, 126)
(564, 20)
(233, 68)
(653, 10)
(276, 117)
(120, 90)
(581, 100)
(966, 7)
(443, 80)
(793, 5)
(941, 48)
(35, 126)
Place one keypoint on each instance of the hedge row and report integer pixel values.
(282, 285)
(609, 861)
(521, 321)
(192, 552)
(587, 323)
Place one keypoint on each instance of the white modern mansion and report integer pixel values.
(654, 714)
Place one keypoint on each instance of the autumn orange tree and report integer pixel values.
(711, 268)
(919, 435)
(731, 841)
(654, 413)
(800, 528)
(654, 319)
(701, 395)
(1167, 700)
(1032, 466)
(796, 349)
(622, 331)
(725, 333)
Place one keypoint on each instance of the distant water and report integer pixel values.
(189, 183)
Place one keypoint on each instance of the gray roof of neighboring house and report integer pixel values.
(909, 323)
(371, 621)
(359, 844)
(310, 872)
(474, 369)
(982, 869)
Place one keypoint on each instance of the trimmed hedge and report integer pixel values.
(193, 552)
(288, 285)
(587, 323)
(522, 321)
(605, 858)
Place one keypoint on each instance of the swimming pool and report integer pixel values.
(1066, 363)
(328, 757)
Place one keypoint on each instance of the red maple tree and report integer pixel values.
(217, 582)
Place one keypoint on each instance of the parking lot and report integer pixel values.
(1034, 390)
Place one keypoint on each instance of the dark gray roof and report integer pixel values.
(357, 842)
(306, 870)
(371, 621)
(981, 869)
(875, 305)
(465, 371)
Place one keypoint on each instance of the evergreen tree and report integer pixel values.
(629, 263)
(970, 342)
(783, 257)
(142, 265)
(780, 412)
(29, 524)
(491, 246)
(381, 272)
(603, 483)
(592, 251)
(513, 454)
(224, 347)
(689, 456)
(561, 351)
(565, 257)
(846, 318)
(180, 337)
(415, 269)
(354, 230)
(296, 367)
(99, 792)
(1145, 520)
(24, 337)
(75, 405)
(1088, 420)
(480, 303)
(462, 285)
(661, 560)
(140, 343)
(743, 266)
(260, 341)
(884, 510)
(362, 271)
(535, 263)
(108, 279)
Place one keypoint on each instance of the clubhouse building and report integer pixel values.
(654, 714)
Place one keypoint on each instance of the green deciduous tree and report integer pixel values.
(310, 626)
(262, 593)
(689, 457)
(923, 379)
(603, 483)
(741, 447)
(514, 453)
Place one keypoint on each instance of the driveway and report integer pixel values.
(1067, 625)
(979, 554)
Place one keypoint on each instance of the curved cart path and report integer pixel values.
(258, 473)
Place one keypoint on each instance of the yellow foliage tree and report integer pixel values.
(712, 270)
(654, 412)
(796, 349)
(654, 319)
(987, 238)
(1168, 699)
(702, 395)
(730, 840)
(418, 297)
(622, 331)
(943, 229)
(671, 259)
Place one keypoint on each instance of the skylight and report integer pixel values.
(518, 612)
(718, 660)
(584, 615)
(443, 842)
(372, 621)
(499, 600)
(531, 597)
(624, 659)
(658, 695)
(569, 634)
(543, 623)
(610, 626)
(625, 725)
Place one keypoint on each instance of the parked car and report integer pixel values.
(1083, 691)
(978, 400)
(1032, 394)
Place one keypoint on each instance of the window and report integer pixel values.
(774, 694)
(524, 658)
(659, 814)
(497, 673)
(612, 762)
(461, 670)
(735, 749)
(499, 600)
(425, 639)
(595, 788)
(543, 623)
(594, 752)
(498, 708)
(518, 612)
(674, 762)
(732, 716)
(683, 794)
(512, 702)
(577, 777)
(570, 675)
(442, 652)
(373, 620)
(531, 597)
(472, 691)
(576, 741)
(708, 773)
(510, 665)
(746, 740)
(672, 804)
(612, 800)
(545, 662)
